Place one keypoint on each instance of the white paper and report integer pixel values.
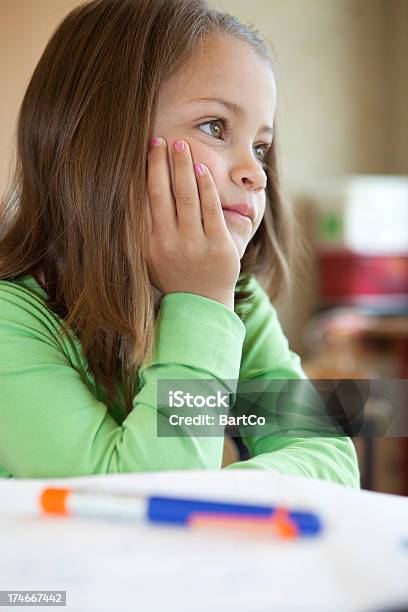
(359, 562)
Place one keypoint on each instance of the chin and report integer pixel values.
(241, 246)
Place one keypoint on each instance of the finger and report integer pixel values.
(213, 218)
(186, 191)
(162, 207)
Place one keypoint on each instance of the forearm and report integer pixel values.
(323, 458)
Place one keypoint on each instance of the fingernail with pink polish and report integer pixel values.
(178, 145)
(200, 169)
(156, 142)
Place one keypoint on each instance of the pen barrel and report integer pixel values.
(107, 506)
(178, 511)
(174, 510)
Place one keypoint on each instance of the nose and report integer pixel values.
(250, 174)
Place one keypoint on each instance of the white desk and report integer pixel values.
(359, 563)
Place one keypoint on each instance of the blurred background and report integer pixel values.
(342, 116)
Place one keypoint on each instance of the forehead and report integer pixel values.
(226, 68)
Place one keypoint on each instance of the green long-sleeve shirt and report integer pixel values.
(55, 422)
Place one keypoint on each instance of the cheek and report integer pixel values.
(260, 206)
(219, 173)
(215, 164)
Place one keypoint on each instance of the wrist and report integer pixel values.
(228, 300)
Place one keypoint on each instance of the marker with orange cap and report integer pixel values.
(179, 511)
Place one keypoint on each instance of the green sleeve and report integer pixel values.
(266, 355)
(52, 424)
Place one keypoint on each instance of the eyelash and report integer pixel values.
(226, 125)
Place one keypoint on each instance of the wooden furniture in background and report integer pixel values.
(371, 347)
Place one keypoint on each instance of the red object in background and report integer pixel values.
(347, 275)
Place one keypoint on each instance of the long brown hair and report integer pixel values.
(82, 143)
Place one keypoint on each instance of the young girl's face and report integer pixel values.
(229, 70)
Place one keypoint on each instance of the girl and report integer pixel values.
(148, 210)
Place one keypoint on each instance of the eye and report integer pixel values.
(226, 127)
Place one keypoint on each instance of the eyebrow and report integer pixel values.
(234, 108)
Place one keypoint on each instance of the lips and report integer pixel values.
(243, 208)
